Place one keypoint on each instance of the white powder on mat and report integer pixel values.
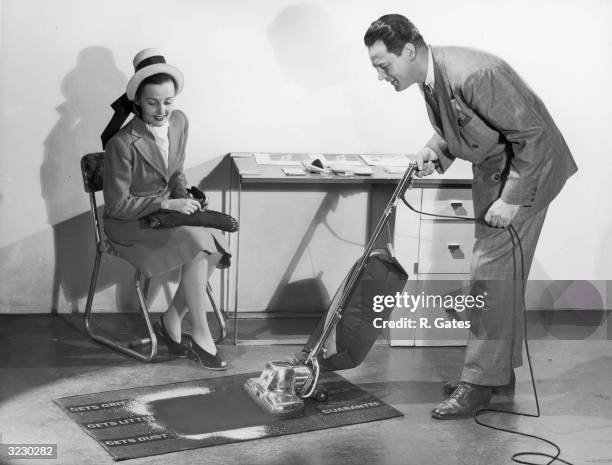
(141, 405)
(251, 432)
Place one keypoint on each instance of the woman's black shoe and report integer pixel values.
(174, 348)
(206, 359)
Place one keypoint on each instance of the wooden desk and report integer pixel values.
(295, 229)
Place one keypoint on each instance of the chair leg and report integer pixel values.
(218, 314)
(126, 349)
(152, 339)
(145, 287)
(91, 292)
(235, 325)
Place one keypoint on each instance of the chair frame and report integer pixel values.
(142, 290)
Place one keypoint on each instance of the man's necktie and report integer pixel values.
(432, 101)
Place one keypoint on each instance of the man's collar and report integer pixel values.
(430, 78)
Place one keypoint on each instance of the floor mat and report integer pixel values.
(154, 420)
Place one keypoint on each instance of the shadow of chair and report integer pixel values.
(92, 169)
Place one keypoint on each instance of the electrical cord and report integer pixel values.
(519, 457)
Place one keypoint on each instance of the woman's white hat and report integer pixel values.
(148, 62)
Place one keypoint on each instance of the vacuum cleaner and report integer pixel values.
(284, 384)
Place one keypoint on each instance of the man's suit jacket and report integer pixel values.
(490, 117)
(135, 177)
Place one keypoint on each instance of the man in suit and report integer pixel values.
(482, 112)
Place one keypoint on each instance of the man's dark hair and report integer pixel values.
(394, 31)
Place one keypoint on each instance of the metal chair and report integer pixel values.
(92, 169)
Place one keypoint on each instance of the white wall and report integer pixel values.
(272, 75)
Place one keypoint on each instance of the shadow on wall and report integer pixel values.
(306, 46)
(88, 90)
(216, 181)
(329, 62)
(307, 293)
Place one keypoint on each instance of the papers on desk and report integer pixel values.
(364, 171)
(331, 160)
(294, 171)
(340, 159)
(283, 159)
(388, 160)
(395, 169)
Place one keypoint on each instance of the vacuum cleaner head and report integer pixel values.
(278, 388)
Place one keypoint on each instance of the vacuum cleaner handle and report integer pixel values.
(282, 386)
(358, 269)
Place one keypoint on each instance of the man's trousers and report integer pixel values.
(495, 341)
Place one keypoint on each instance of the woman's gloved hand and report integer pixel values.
(187, 206)
(198, 195)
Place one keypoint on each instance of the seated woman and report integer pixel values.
(143, 173)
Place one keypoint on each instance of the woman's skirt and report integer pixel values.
(157, 251)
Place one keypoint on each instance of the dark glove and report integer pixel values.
(206, 218)
(198, 195)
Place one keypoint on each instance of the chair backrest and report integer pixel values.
(92, 169)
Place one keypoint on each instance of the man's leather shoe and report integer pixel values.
(503, 390)
(464, 402)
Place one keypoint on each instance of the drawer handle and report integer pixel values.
(456, 204)
(455, 251)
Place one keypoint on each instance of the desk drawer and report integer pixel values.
(451, 202)
(445, 246)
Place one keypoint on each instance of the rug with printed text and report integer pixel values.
(154, 420)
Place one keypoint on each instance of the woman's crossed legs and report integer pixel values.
(190, 296)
